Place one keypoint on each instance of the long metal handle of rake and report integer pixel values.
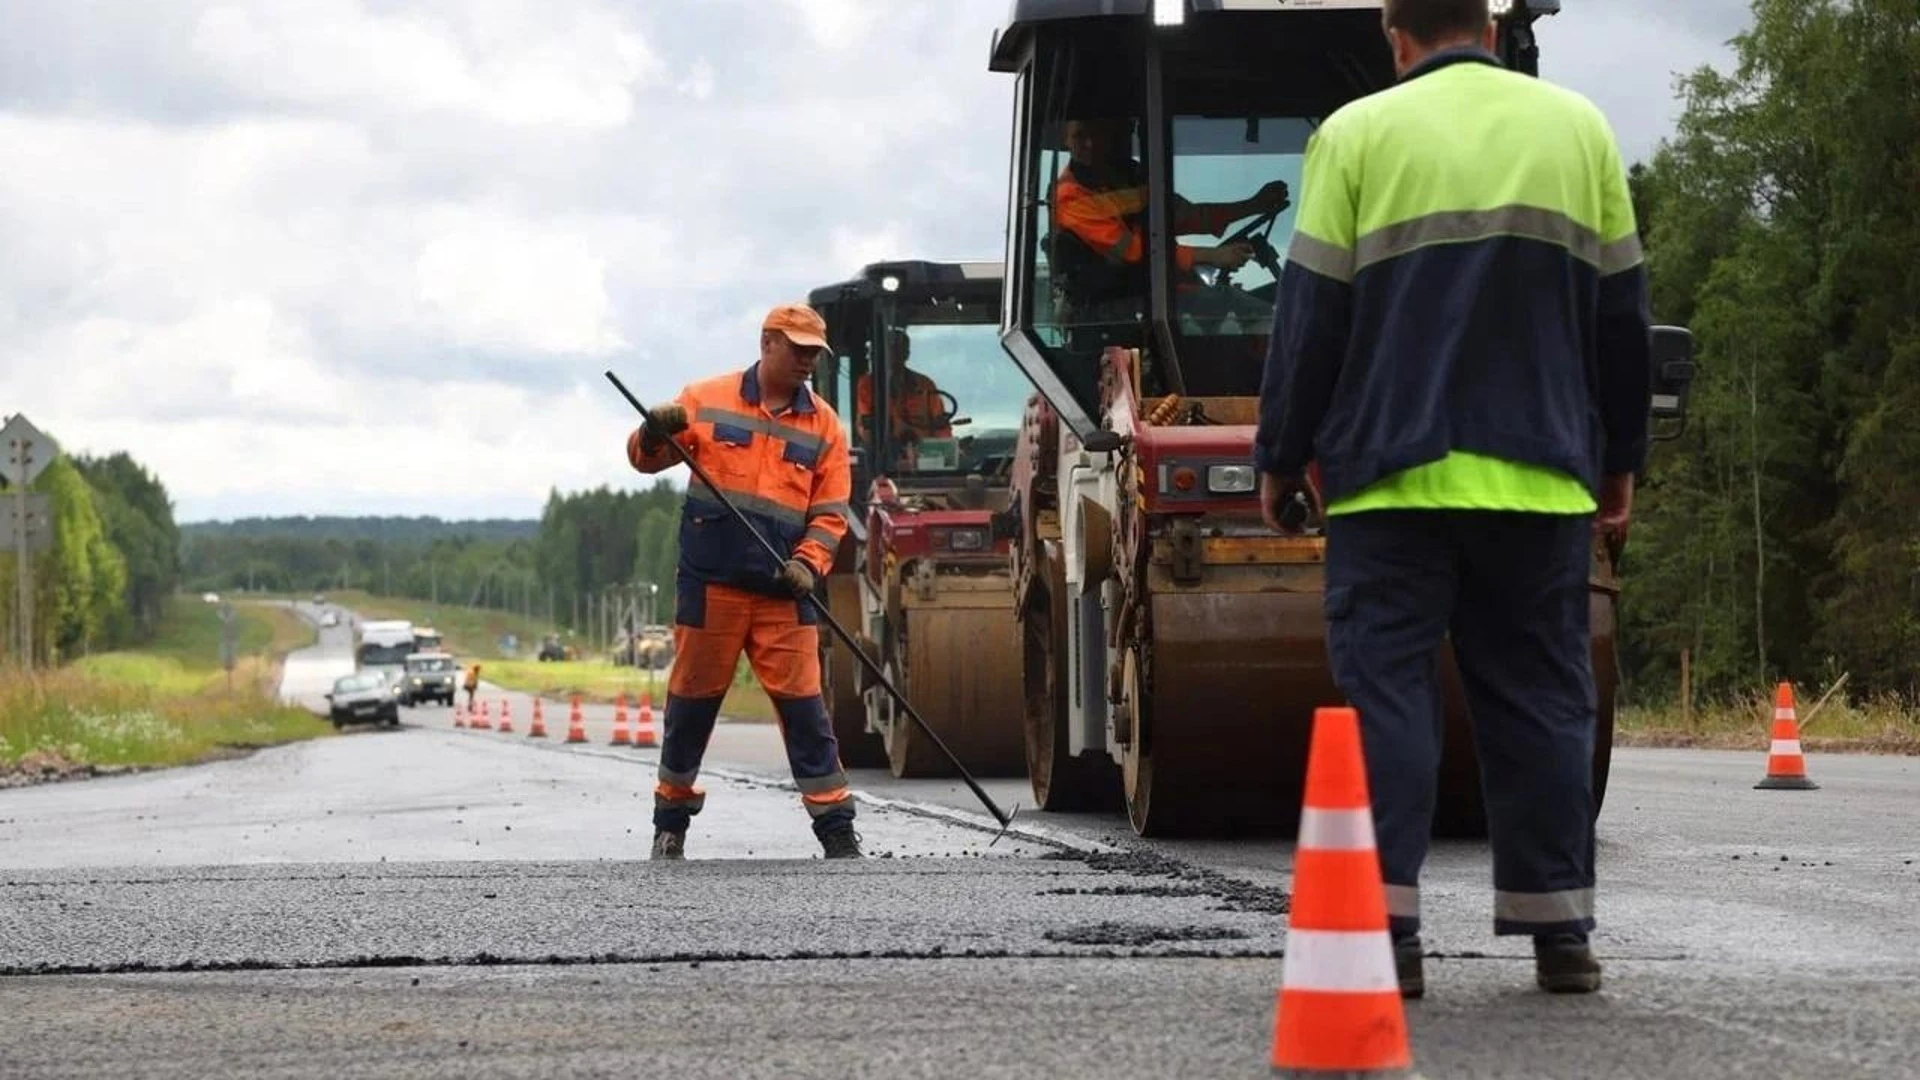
(1005, 819)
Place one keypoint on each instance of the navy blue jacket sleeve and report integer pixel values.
(1625, 370)
(1310, 330)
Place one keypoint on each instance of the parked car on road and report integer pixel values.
(362, 698)
(429, 677)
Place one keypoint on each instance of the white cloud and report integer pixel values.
(509, 285)
(261, 244)
(511, 62)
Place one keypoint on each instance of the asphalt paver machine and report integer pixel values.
(1173, 648)
(933, 407)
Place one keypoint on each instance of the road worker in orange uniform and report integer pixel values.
(917, 409)
(779, 455)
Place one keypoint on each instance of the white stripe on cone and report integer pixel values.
(1336, 830)
(1786, 747)
(1340, 961)
(1783, 712)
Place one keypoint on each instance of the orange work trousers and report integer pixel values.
(709, 636)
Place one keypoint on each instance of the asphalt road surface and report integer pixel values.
(440, 902)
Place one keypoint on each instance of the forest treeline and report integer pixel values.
(1780, 536)
(583, 544)
(111, 562)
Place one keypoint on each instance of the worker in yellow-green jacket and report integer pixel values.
(1462, 349)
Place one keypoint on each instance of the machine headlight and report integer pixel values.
(969, 539)
(417, 682)
(1230, 479)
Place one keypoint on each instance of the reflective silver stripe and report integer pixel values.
(1327, 260)
(1458, 226)
(820, 785)
(824, 538)
(838, 509)
(707, 414)
(1404, 901)
(1339, 962)
(677, 779)
(699, 492)
(1118, 252)
(1622, 254)
(1567, 905)
(1336, 830)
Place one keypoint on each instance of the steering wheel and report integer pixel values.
(1257, 233)
(945, 418)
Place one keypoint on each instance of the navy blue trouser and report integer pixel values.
(1511, 589)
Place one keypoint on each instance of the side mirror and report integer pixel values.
(1673, 372)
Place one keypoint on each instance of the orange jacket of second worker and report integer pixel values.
(788, 472)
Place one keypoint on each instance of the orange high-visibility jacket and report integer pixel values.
(788, 471)
(916, 406)
(1108, 214)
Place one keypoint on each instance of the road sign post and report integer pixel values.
(228, 641)
(28, 452)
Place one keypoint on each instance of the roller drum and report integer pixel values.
(962, 672)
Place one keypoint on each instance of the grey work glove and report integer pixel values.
(663, 423)
(797, 576)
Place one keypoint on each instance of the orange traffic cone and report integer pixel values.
(506, 717)
(643, 729)
(576, 730)
(539, 728)
(1339, 1006)
(1786, 766)
(481, 723)
(620, 735)
(459, 716)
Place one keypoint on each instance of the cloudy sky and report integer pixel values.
(372, 256)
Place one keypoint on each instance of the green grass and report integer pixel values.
(1877, 725)
(602, 683)
(167, 704)
(469, 632)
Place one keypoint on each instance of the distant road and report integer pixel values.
(310, 672)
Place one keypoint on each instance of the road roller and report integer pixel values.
(1172, 647)
(933, 408)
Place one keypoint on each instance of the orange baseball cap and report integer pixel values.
(801, 324)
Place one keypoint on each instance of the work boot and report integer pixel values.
(1407, 965)
(1564, 964)
(841, 843)
(669, 845)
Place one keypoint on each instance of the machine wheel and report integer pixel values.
(956, 667)
(1218, 729)
(840, 675)
(1060, 782)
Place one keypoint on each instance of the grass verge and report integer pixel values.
(602, 683)
(1884, 725)
(170, 703)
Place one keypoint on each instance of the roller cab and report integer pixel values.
(933, 408)
(1173, 647)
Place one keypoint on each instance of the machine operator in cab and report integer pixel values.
(915, 409)
(780, 457)
(1100, 211)
(1461, 348)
